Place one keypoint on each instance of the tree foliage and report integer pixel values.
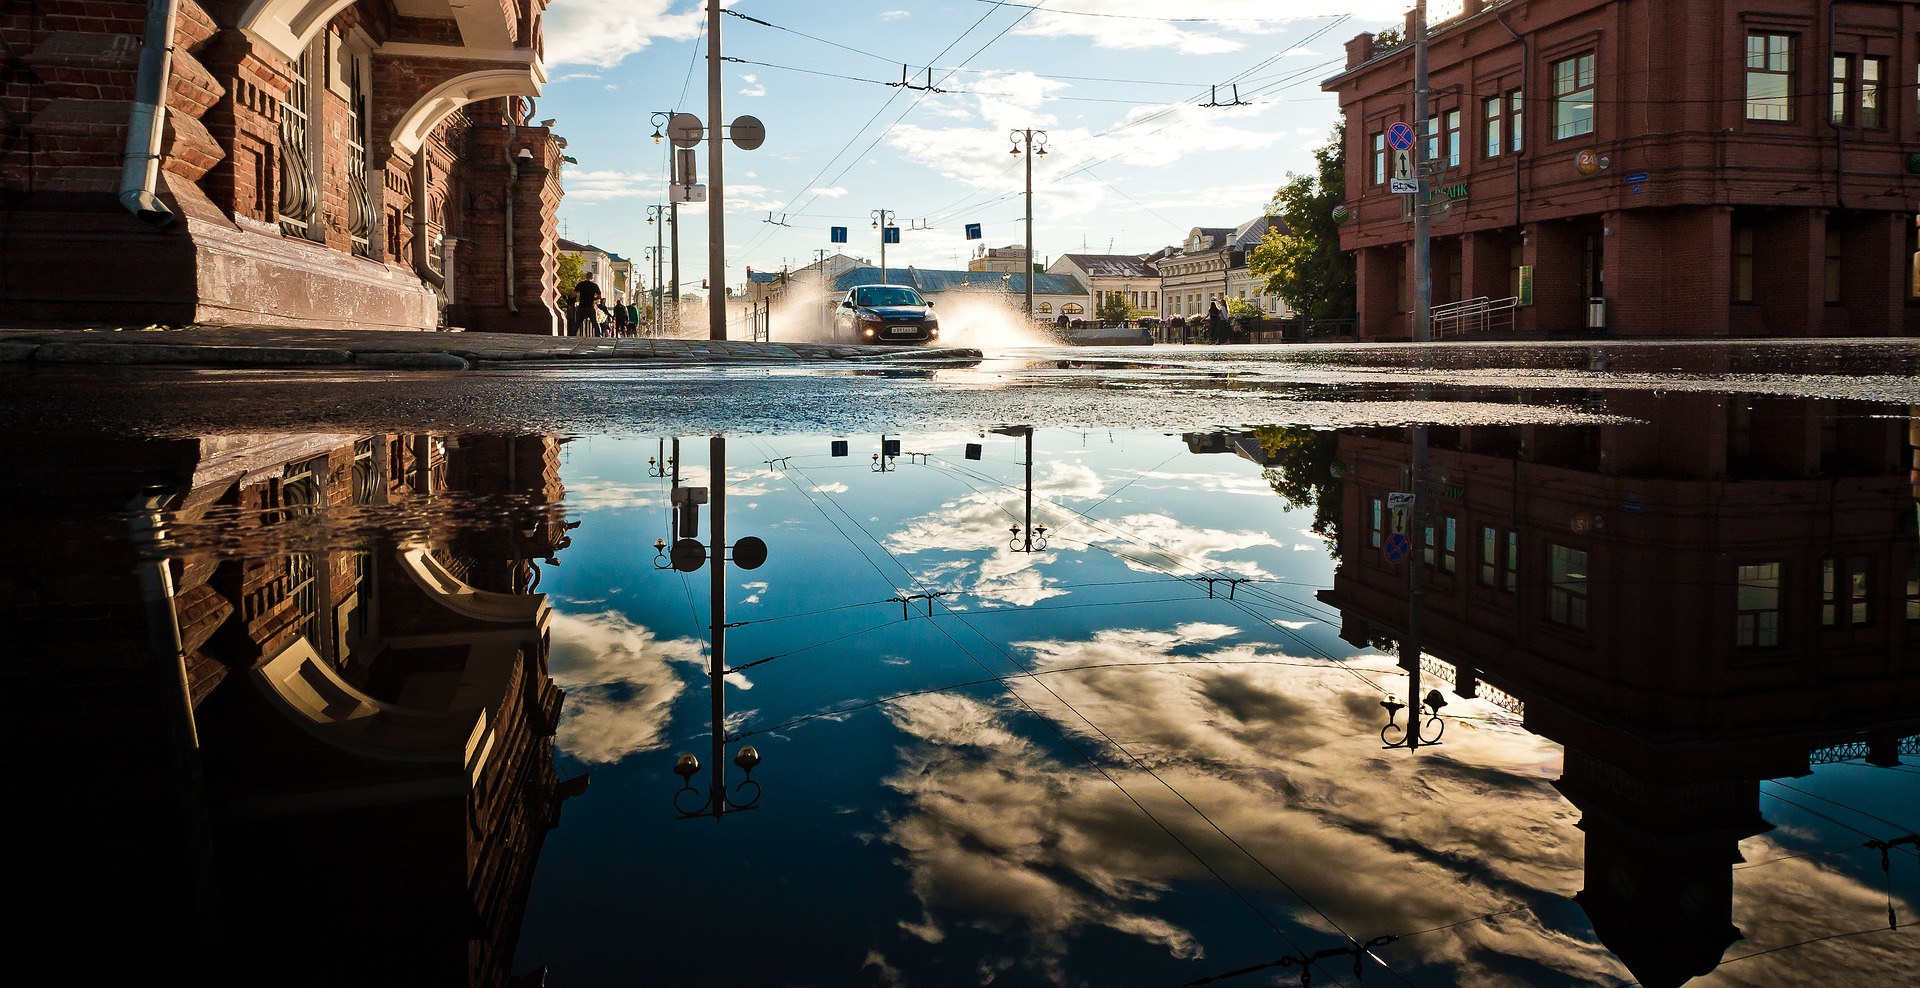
(568, 270)
(1301, 258)
(1113, 308)
(1302, 473)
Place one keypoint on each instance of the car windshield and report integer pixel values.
(886, 296)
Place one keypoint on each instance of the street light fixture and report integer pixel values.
(1414, 734)
(1030, 138)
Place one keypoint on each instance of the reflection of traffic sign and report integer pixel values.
(1398, 547)
(1400, 136)
(838, 234)
(973, 231)
(890, 235)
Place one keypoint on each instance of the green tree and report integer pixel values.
(1113, 308)
(568, 270)
(1300, 257)
(1302, 473)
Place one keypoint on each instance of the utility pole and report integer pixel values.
(1423, 185)
(716, 198)
(883, 221)
(655, 218)
(1028, 138)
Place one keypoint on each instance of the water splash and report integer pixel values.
(981, 319)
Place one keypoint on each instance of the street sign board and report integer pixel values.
(1397, 499)
(973, 231)
(747, 133)
(686, 193)
(1401, 182)
(685, 130)
(1397, 547)
(890, 235)
(837, 234)
(1400, 136)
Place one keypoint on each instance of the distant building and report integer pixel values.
(1011, 259)
(1211, 266)
(334, 164)
(1129, 276)
(1681, 167)
(613, 273)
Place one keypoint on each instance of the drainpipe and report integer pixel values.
(140, 169)
(1526, 146)
(513, 188)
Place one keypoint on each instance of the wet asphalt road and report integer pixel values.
(1160, 387)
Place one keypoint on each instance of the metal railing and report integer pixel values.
(1474, 315)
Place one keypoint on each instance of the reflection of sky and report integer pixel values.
(1184, 785)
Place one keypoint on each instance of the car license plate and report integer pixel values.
(901, 330)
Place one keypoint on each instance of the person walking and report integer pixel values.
(1216, 323)
(619, 316)
(633, 314)
(586, 296)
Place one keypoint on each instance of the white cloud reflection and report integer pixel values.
(620, 684)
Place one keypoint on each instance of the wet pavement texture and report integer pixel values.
(1066, 667)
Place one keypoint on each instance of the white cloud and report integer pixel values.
(620, 684)
(894, 15)
(831, 193)
(582, 185)
(603, 32)
(754, 88)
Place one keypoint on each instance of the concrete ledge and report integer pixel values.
(170, 353)
(420, 361)
(17, 353)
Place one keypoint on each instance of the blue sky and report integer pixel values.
(1135, 160)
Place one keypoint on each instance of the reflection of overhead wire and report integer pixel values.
(1820, 939)
(1836, 822)
(1844, 806)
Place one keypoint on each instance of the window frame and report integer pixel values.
(1569, 604)
(1781, 103)
(1750, 636)
(1492, 115)
(1577, 84)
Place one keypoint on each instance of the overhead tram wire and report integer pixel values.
(943, 92)
(814, 183)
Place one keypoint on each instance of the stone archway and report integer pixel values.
(287, 25)
(438, 103)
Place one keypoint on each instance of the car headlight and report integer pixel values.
(868, 331)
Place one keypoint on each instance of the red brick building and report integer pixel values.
(333, 163)
(1706, 167)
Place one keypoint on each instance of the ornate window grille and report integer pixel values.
(299, 194)
(360, 210)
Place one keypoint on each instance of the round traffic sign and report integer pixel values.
(685, 130)
(747, 132)
(689, 555)
(1400, 136)
(1398, 547)
(749, 553)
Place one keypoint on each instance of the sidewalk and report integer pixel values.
(233, 346)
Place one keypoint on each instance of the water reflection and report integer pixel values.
(1038, 706)
(249, 738)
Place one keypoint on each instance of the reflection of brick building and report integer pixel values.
(1689, 605)
(302, 711)
(1706, 167)
(338, 164)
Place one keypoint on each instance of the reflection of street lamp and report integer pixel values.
(1414, 734)
(1025, 543)
(689, 555)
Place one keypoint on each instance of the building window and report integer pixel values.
(1573, 97)
(1440, 544)
(360, 209)
(1377, 533)
(1872, 71)
(1499, 559)
(1769, 76)
(1514, 118)
(1380, 159)
(1453, 138)
(1493, 117)
(1433, 138)
(1567, 590)
(1842, 90)
(1757, 609)
(299, 185)
(1046, 307)
(1846, 591)
(1743, 264)
(1833, 266)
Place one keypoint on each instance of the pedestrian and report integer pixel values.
(587, 307)
(619, 316)
(1216, 323)
(633, 315)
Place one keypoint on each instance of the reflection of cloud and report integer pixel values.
(619, 684)
(592, 492)
(1163, 544)
(999, 833)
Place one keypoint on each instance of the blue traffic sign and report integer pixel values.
(973, 231)
(839, 234)
(1400, 136)
(890, 235)
(1398, 547)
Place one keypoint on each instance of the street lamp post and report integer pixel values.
(1029, 138)
(883, 221)
(664, 216)
(660, 118)
(689, 555)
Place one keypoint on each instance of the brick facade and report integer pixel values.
(1680, 206)
(275, 222)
